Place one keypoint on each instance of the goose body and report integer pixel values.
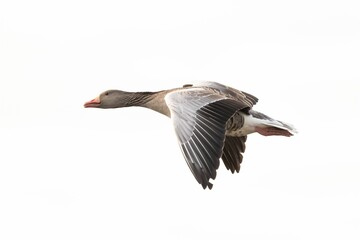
(211, 121)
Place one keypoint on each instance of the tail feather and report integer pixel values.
(273, 131)
(271, 126)
(281, 125)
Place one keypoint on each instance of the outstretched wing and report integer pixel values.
(199, 117)
(229, 92)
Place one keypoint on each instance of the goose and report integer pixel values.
(211, 121)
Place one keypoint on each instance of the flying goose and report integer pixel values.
(211, 121)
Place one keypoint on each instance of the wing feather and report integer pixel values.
(231, 156)
(199, 118)
(230, 92)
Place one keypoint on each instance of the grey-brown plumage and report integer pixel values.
(211, 121)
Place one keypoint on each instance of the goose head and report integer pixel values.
(111, 99)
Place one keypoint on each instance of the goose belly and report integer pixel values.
(241, 124)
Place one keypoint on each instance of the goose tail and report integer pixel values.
(272, 127)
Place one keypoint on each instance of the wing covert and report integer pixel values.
(230, 92)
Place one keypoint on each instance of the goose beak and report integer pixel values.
(93, 103)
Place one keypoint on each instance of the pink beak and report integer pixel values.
(93, 103)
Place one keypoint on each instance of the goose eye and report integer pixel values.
(107, 93)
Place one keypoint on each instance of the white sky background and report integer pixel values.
(72, 173)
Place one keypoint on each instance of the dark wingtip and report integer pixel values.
(207, 185)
